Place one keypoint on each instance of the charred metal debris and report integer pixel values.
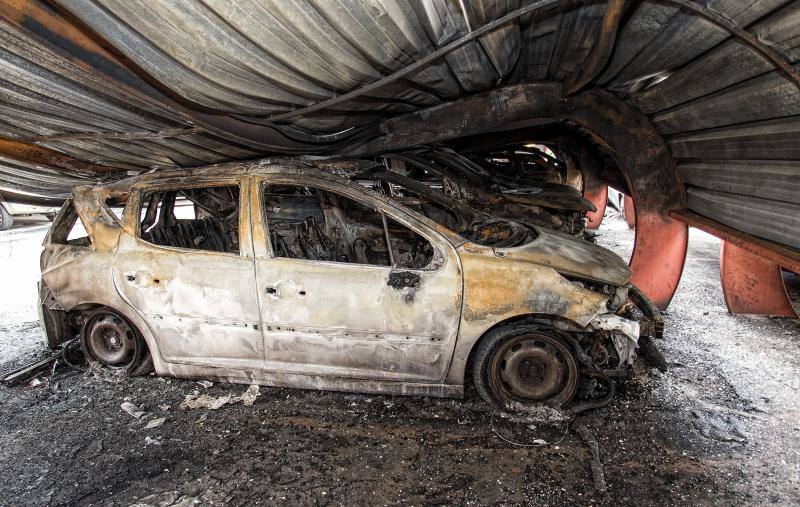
(474, 195)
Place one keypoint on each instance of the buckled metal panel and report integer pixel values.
(223, 68)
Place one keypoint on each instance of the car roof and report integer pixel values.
(336, 170)
(312, 166)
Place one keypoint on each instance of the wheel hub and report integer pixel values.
(111, 341)
(535, 368)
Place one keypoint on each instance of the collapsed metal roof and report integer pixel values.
(123, 86)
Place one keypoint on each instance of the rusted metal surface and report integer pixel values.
(95, 78)
(162, 134)
(28, 152)
(658, 255)
(599, 197)
(299, 321)
(751, 284)
(767, 250)
(629, 210)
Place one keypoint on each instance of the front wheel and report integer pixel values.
(516, 367)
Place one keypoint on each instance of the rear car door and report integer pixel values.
(332, 303)
(187, 269)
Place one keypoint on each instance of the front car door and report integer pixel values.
(188, 271)
(332, 302)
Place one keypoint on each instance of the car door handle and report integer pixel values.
(285, 289)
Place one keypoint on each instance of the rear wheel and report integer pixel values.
(6, 220)
(520, 366)
(108, 338)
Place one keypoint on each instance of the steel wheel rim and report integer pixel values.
(112, 341)
(533, 368)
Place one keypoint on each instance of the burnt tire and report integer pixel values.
(516, 367)
(6, 220)
(111, 340)
(652, 354)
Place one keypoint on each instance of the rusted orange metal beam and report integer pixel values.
(659, 251)
(751, 284)
(28, 152)
(767, 250)
(599, 197)
(629, 211)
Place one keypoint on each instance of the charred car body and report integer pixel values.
(282, 273)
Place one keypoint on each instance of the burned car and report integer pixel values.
(284, 273)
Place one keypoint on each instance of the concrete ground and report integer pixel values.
(721, 426)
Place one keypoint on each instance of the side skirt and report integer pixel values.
(314, 382)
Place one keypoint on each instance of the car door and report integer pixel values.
(188, 280)
(347, 319)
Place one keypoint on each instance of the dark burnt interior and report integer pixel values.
(524, 185)
(316, 224)
(209, 218)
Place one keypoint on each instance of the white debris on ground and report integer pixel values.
(197, 400)
(155, 423)
(532, 415)
(132, 410)
(250, 395)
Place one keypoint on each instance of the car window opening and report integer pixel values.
(116, 205)
(315, 224)
(193, 218)
(68, 229)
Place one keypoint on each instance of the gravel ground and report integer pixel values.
(721, 426)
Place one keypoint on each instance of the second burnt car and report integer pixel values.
(283, 273)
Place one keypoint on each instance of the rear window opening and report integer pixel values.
(192, 218)
(116, 204)
(69, 229)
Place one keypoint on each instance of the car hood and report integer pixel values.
(571, 256)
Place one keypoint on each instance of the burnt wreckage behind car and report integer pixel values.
(283, 273)
(536, 196)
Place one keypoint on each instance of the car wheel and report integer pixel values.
(6, 220)
(516, 367)
(108, 338)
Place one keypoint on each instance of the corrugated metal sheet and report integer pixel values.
(766, 218)
(730, 118)
(42, 94)
(35, 179)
